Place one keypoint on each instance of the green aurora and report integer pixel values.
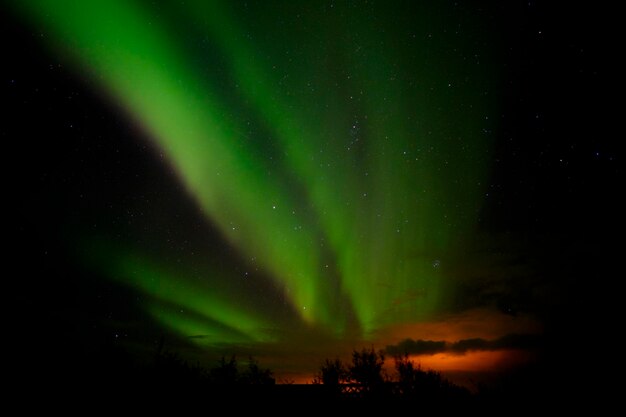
(340, 149)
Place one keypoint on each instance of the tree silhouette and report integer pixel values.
(367, 371)
(408, 374)
(428, 387)
(332, 374)
(226, 373)
(365, 378)
(254, 375)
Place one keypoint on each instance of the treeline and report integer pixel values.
(365, 377)
(160, 378)
(167, 378)
(170, 367)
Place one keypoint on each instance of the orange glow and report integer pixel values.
(474, 361)
(300, 361)
(285, 378)
(477, 323)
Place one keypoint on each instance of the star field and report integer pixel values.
(265, 178)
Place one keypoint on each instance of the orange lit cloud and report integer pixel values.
(300, 358)
(477, 323)
(474, 361)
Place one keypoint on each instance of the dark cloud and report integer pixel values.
(464, 345)
(430, 347)
(510, 341)
(417, 347)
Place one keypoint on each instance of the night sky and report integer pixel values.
(294, 180)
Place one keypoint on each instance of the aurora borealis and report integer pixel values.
(328, 170)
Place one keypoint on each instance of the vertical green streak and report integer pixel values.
(379, 126)
(124, 48)
(388, 205)
(330, 181)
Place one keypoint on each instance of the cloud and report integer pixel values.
(417, 347)
(431, 347)
(510, 341)
(464, 345)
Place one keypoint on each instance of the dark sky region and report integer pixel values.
(293, 180)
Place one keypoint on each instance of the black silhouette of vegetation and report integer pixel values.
(167, 379)
(226, 372)
(365, 378)
(171, 368)
(332, 374)
(367, 372)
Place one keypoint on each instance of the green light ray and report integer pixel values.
(139, 65)
(368, 247)
(179, 301)
(199, 330)
(370, 172)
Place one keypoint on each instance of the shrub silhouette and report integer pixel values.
(171, 378)
(226, 372)
(254, 375)
(332, 374)
(365, 377)
(367, 370)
